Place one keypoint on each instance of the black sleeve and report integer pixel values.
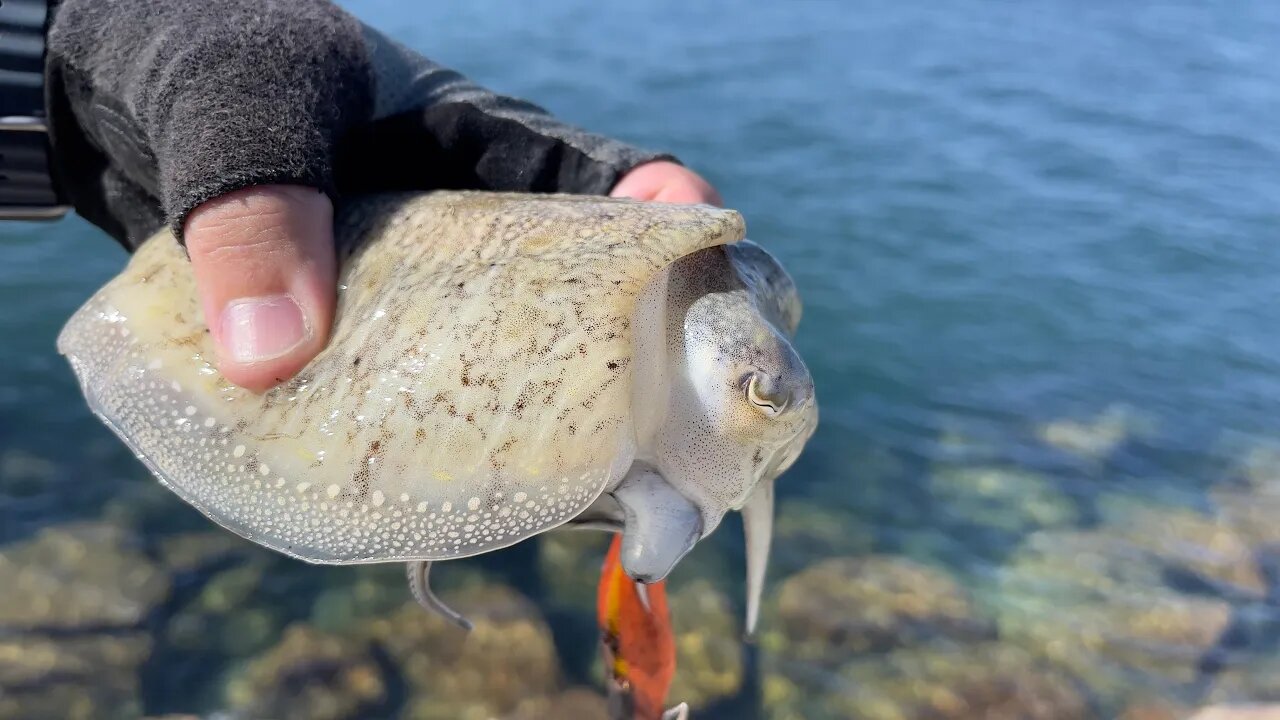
(444, 131)
(155, 107)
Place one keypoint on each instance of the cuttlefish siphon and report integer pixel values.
(500, 365)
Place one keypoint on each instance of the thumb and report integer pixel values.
(264, 266)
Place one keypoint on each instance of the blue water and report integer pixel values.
(998, 214)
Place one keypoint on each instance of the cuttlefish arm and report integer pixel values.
(679, 712)
(419, 574)
(757, 525)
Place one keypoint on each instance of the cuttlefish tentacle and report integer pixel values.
(419, 573)
(679, 712)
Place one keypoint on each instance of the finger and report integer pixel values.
(264, 265)
(663, 181)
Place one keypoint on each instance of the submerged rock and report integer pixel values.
(708, 645)
(365, 592)
(1250, 501)
(982, 680)
(230, 589)
(716, 559)
(1195, 544)
(193, 551)
(1256, 679)
(1250, 513)
(149, 508)
(505, 668)
(238, 634)
(1076, 565)
(1260, 468)
(569, 564)
(506, 664)
(1097, 605)
(89, 677)
(82, 575)
(573, 704)
(226, 608)
(19, 465)
(844, 607)
(378, 659)
(886, 637)
(806, 531)
(228, 615)
(1002, 499)
(956, 442)
(1153, 709)
(73, 600)
(309, 676)
(1252, 711)
(1097, 438)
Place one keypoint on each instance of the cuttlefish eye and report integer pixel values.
(765, 394)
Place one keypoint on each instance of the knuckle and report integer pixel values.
(238, 224)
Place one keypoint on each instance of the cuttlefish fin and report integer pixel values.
(757, 525)
(419, 574)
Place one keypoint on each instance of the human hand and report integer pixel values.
(263, 259)
(664, 181)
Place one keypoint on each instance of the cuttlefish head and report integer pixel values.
(728, 411)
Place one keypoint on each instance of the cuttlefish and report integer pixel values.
(500, 365)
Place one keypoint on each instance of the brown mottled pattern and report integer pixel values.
(476, 389)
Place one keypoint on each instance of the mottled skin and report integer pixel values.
(480, 384)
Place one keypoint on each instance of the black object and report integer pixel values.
(27, 189)
(156, 107)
